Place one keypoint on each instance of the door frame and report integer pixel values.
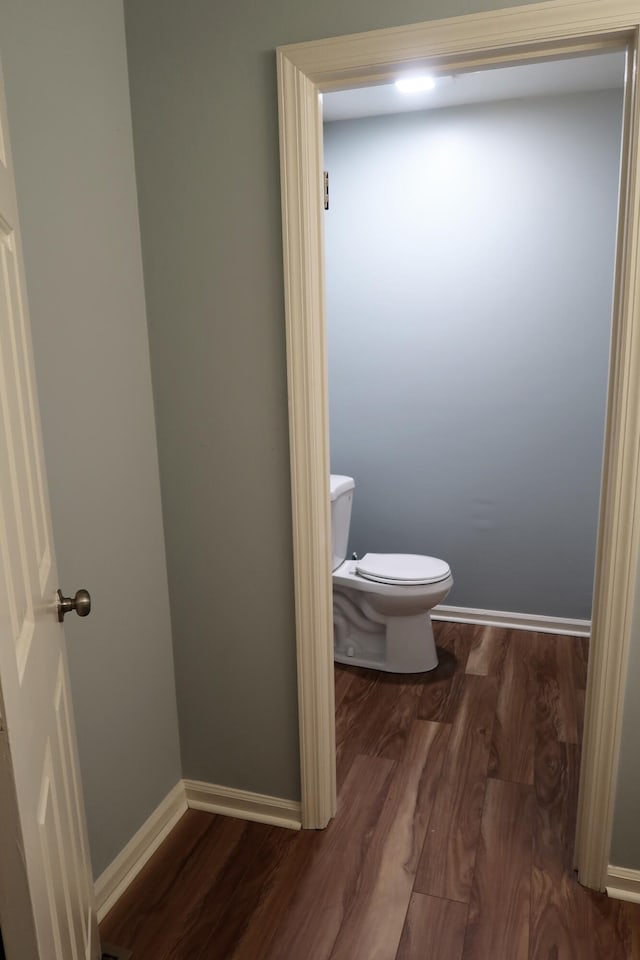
(548, 30)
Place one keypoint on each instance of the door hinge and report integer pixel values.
(326, 190)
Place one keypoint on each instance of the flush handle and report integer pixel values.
(81, 603)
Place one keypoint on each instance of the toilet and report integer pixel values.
(381, 603)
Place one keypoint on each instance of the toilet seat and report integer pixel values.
(402, 568)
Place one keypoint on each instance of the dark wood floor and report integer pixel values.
(453, 839)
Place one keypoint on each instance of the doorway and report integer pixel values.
(469, 251)
(305, 70)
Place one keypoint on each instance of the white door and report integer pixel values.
(46, 891)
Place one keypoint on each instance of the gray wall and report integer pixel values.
(67, 92)
(469, 263)
(203, 93)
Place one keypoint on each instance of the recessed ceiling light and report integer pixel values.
(415, 84)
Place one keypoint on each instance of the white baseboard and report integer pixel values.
(512, 621)
(623, 884)
(112, 883)
(242, 804)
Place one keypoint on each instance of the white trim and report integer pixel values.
(240, 803)
(619, 525)
(187, 794)
(301, 176)
(304, 70)
(623, 884)
(512, 621)
(113, 881)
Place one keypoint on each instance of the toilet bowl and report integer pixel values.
(381, 602)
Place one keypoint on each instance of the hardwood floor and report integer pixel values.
(453, 838)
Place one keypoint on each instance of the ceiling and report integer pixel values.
(598, 72)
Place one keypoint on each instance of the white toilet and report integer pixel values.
(381, 603)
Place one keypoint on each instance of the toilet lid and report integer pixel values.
(402, 568)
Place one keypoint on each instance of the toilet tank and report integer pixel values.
(341, 493)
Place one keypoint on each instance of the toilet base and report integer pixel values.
(401, 645)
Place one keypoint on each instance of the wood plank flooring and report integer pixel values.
(453, 838)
